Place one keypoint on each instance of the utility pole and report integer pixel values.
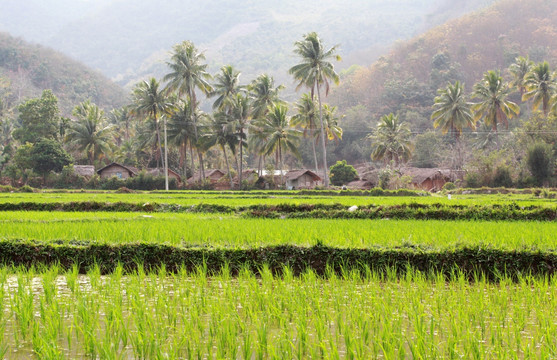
(165, 158)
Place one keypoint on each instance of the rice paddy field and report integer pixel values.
(50, 311)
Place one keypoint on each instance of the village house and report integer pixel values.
(211, 175)
(160, 172)
(430, 179)
(117, 170)
(301, 179)
(87, 171)
(360, 185)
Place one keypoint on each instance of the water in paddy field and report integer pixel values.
(189, 315)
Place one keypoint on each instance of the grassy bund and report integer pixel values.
(277, 275)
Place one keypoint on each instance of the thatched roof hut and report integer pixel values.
(429, 179)
(211, 175)
(160, 172)
(301, 179)
(84, 170)
(118, 170)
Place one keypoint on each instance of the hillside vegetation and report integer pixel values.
(26, 69)
(129, 39)
(462, 49)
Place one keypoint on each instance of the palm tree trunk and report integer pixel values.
(241, 157)
(280, 164)
(184, 158)
(191, 158)
(193, 100)
(159, 145)
(165, 158)
(227, 166)
(325, 177)
(311, 136)
(496, 134)
(201, 165)
(458, 152)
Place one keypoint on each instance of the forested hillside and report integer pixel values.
(27, 69)
(129, 39)
(462, 49)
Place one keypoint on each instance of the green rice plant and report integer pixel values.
(199, 231)
(361, 314)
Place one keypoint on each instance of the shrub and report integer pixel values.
(472, 180)
(26, 189)
(502, 177)
(341, 173)
(449, 186)
(539, 160)
(385, 178)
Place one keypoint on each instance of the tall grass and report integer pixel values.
(361, 315)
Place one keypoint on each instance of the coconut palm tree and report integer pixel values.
(188, 74)
(222, 133)
(263, 93)
(540, 87)
(150, 102)
(240, 115)
(90, 131)
(554, 105)
(391, 140)
(280, 135)
(121, 118)
(332, 129)
(493, 106)
(315, 71)
(306, 118)
(227, 85)
(181, 131)
(452, 112)
(519, 70)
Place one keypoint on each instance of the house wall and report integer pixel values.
(215, 176)
(113, 171)
(431, 184)
(304, 181)
(173, 176)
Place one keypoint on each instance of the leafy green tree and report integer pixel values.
(391, 140)
(452, 112)
(342, 173)
(39, 119)
(540, 87)
(279, 134)
(315, 71)
(493, 106)
(90, 131)
(43, 157)
(539, 159)
(428, 148)
(150, 102)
